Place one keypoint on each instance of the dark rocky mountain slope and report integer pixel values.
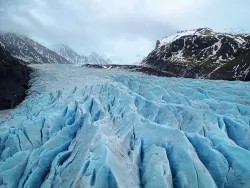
(14, 78)
(203, 53)
(28, 50)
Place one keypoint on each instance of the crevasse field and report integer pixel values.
(82, 127)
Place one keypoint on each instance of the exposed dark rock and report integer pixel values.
(14, 78)
(135, 68)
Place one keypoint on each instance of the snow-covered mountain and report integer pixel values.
(203, 53)
(69, 54)
(95, 58)
(73, 57)
(31, 51)
(113, 128)
(28, 50)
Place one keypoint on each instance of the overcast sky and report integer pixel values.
(125, 30)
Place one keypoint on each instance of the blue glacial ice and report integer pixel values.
(82, 127)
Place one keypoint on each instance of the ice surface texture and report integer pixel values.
(82, 127)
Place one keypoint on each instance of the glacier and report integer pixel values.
(85, 127)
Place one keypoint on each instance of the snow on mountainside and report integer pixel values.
(95, 58)
(28, 50)
(83, 127)
(70, 54)
(203, 53)
(75, 58)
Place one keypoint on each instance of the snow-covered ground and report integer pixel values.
(82, 127)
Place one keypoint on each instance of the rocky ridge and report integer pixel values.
(203, 53)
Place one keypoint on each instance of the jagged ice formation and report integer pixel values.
(83, 127)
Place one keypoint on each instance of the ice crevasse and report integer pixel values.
(83, 127)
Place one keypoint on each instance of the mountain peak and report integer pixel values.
(28, 50)
(75, 58)
(201, 31)
(69, 54)
(194, 32)
(62, 47)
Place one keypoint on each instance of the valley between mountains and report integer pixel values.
(175, 120)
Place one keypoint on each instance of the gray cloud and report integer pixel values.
(124, 29)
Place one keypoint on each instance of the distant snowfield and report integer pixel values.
(82, 127)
